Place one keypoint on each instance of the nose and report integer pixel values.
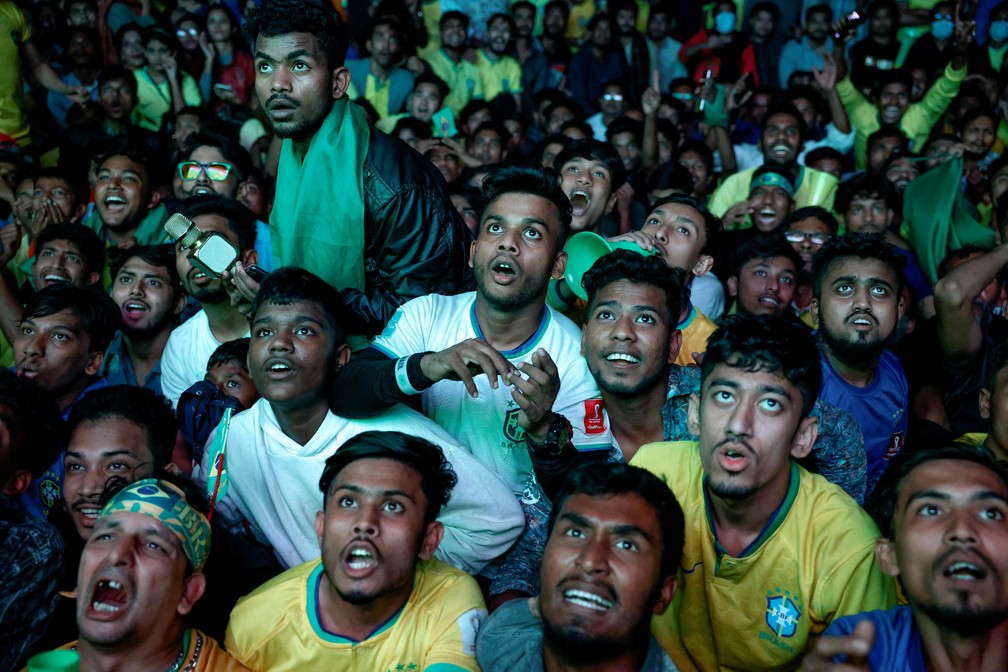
(280, 80)
(33, 345)
(623, 329)
(121, 551)
(280, 342)
(861, 299)
(507, 241)
(740, 421)
(94, 482)
(594, 557)
(961, 528)
(366, 522)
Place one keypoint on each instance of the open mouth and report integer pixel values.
(115, 202)
(770, 300)
(88, 514)
(587, 600)
(622, 357)
(504, 271)
(862, 321)
(780, 150)
(134, 309)
(964, 571)
(109, 596)
(580, 200)
(766, 216)
(53, 276)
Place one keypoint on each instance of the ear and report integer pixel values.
(340, 82)
(472, 253)
(559, 265)
(814, 312)
(180, 304)
(665, 594)
(78, 212)
(610, 204)
(18, 483)
(804, 438)
(901, 307)
(249, 257)
(320, 524)
(885, 554)
(985, 405)
(94, 363)
(693, 415)
(674, 345)
(584, 338)
(155, 198)
(431, 539)
(193, 591)
(342, 357)
(703, 265)
(732, 286)
(93, 278)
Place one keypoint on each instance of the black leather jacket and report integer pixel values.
(415, 243)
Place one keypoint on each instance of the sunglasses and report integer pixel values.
(799, 236)
(182, 32)
(216, 171)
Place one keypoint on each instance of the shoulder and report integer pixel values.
(511, 638)
(840, 522)
(440, 585)
(672, 461)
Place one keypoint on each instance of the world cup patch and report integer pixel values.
(594, 416)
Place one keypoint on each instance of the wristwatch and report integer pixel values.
(558, 438)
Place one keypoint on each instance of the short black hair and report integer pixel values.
(437, 479)
(231, 352)
(765, 7)
(881, 504)
(98, 313)
(454, 14)
(625, 125)
(639, 270)
(421, 129)
(232, 152)
(813, 212)
(604, 479)
(670, 175)
(117, 71)
(38, 437)
(595, 150)
(864, 185)
(291, 284)
(764, 247)
(159, 256)
(713, 226)
(139, 406)
(857, 245)
(240, 219)
(821, 153)
(821, 8)
(769, 344)
(84, 239)
(536, 180)
(789, 109)
(431, 78)
(316, 17)
(136, 153)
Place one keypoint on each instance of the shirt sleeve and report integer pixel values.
(920, 117)
(452, 643)
(173, 383)
(405, 333)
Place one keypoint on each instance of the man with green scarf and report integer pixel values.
(354, 206)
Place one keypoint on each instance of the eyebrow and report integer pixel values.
(524, 220)
(946, 497)
(107, 453)
(625, 529)
(734, 385)
(369, 491)
(297, 53)
(635, 307)
(854, 279)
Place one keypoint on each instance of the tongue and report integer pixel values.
(579, 201)
(105, 594)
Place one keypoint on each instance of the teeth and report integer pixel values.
(114, 200)
(135, 306)
(964, 570)
(588, 600)
(279, 367)
(90, 513)
(114, 584)
(622, 357)
(53, 277)
(101, 606)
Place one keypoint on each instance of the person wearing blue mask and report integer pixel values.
(933, 51)
(987, 59)
(722, 50)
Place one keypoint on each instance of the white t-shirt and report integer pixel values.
(273, 482)
(184, 360)
(488, 424)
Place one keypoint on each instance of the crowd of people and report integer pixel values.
(505, 335)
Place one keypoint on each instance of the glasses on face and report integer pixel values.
(613, 97)
(217, 171)
(182, 32)
(799, 236)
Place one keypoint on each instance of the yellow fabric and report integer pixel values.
(502, 76)
(819, 562)
(814, 188)
(154, 100)
(16, 31)
(376, 93)
(917, 121)
(212, 657)
(695, 329)
(432, 22)
(463, 79)
(577, 22)
(276, 627)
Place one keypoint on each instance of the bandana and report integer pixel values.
(772, 180)
(164, 502)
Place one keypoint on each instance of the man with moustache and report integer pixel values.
(857, 282)
(616, 536)
(190, 345)
(140, 575)
(943, 515)
(773, 553)
(149, 294)
(377, 599)
(357, 208)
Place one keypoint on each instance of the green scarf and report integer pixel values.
(317, 221)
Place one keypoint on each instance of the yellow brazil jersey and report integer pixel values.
(580, 14)
(814, 561)
(463, 79)
(376, 93)
(500, 76)
(696, 328)
(16, 31)
(814, 187)
(277, 626)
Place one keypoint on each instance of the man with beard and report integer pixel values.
(359, 209)
(449, 62)
(380, 79)
(857, 282)
(942, 513)
(501, 73)
(377, 599)
(149, 294)
(190, 345)
(773, 553)
(616, 536)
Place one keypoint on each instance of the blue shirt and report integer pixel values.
(897, 640)
(880, 409)
(117, 367)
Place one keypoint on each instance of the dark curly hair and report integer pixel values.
(316, 17)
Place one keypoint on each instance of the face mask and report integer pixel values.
(724, 22)
(999, 31)
(942, 29)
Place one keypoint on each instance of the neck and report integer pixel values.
(379, 71)
(66, 398)
(556, 660)
(300, 421)
(599, 52)
(637, 420)
(138, 657)
(357, 621)
(625, 39)
(739, 521)
(946, 651)
(858, 374)
(122, 237)
(226, 323)
(999, 451)
(817, 44)
(492, 55)
(117, 127)
(85, 75)
(453, 53)
(507, 329)
(145, 351)
(157, 75)
(222, 46)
